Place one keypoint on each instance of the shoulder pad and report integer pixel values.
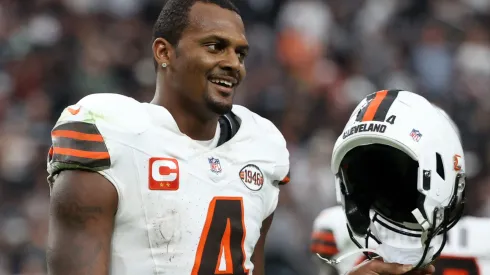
(267, 130)
(86, 133)
(264, 125)
(277, 137)
(332, 218)
(114, 111)
(325, 235)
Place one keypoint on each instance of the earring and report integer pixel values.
(164, 65)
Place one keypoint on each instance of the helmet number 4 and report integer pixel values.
(391, 119)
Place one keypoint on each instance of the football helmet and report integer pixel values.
(448, 117)
(402, 158)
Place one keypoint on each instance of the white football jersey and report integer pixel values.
(467, 250)
(330, 238)
(184, 208)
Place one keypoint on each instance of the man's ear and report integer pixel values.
(162, 51)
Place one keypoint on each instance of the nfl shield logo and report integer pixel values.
(416, 135)
(214, 165)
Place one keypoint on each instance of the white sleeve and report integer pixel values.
(329, 235)
(281, 168)
(80, 142)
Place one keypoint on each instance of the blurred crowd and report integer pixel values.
(311, 62)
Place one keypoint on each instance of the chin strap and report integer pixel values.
(413, 256)
(388, 253)
(424, 223)
(346, 255)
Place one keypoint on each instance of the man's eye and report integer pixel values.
(213, 47)
(242, 55)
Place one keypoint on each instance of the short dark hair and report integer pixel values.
(174, 18)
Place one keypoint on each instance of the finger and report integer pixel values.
(425, 271)
(388, 268)
(430, 269)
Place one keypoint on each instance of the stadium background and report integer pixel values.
(311, 61)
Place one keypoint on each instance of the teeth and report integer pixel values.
(224, 82)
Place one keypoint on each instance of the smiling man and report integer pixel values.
(186, 184)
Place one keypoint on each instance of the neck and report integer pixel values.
(189, 119)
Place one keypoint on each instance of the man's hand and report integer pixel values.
(378, 267)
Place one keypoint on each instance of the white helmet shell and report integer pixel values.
(408, 122)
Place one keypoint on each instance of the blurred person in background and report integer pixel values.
(466, 250)
(186, 184)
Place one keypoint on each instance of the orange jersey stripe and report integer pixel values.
(80, 153)
(77, 135)
(323, 236)
(455, 271)
(373, 107)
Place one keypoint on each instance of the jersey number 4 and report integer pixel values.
(220, 249)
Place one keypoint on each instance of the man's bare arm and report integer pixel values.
(81, 222)
(258, 257)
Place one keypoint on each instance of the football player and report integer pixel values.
(398, 184)
(462, 253)
(186, 184)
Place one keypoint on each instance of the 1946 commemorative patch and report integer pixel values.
(252, 177)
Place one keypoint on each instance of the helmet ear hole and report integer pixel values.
(440, 166)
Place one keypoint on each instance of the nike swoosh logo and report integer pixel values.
(74, 111)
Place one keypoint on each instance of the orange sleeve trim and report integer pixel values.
(77, 135)
(80, 153)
